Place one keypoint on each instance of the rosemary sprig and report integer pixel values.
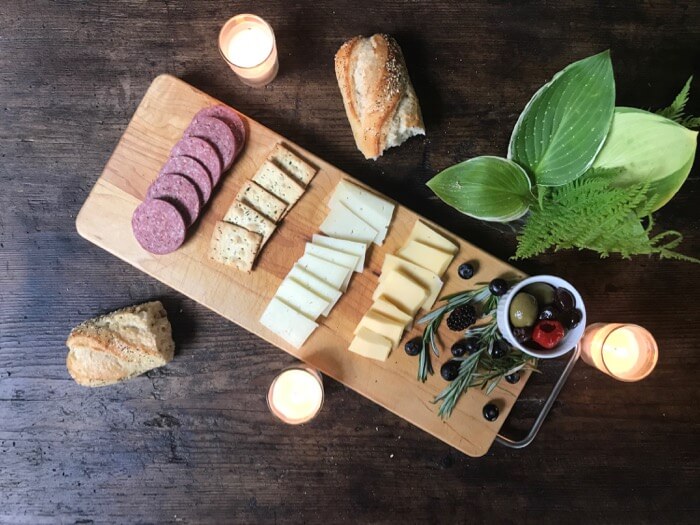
(479, 369)
(434, 319)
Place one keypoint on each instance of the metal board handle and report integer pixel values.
(510, 443)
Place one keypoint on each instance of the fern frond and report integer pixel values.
(590, 213)
(677, 107)
(691, 122)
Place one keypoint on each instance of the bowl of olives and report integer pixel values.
(543, 316)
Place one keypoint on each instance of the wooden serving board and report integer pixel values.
(105, 219)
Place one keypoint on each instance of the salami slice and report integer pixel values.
(200, 150)
(179, 192)
(193, 171)
(158, 227)
(216, 133)
(231, 119)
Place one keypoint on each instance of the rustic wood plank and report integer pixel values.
(71, 76)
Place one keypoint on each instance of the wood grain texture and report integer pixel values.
(105, 219)
(197, 445)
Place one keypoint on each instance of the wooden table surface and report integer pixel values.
(194, 442)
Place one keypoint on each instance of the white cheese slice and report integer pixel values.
(402, 291)
(375, 210)
(370, 344)
(353, 248)
(382, 325)
(332, 255)
(426, 256)
(425, 234)
(287, 323)
(301, 299)
(328, 272)
(316, 285)
(383, 306)
(344, 224)
(424, 277)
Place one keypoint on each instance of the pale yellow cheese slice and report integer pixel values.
(370, 344)
(383, 325)
(402, 291)
(424, 277)
(383, 306)
(301, 298)
(425, 234)
(426, 256)
(286, 322)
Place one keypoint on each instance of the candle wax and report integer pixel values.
(621, 352)
(296, 395)
(250, 45)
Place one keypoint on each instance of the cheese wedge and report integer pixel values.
(328, 272)
(425, 234)
(426, 256)
(334, 256)
(424, 277)
(357, 249)
(402, 291)
(370, 344)
(344, 224)
(375, 210)
(286, 322)
(301, 299)
(382, 325)
(316, 285)
(383, 306)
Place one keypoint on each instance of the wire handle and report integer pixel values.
(510, 443)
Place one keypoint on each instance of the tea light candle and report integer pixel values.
(296, 395)
(626, 352)
(247, 43)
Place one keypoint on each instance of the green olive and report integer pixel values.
(543, 292)
(523, 310)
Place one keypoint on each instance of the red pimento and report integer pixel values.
(548, 333)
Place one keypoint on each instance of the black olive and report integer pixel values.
(450, 370)
(465, 271)
(498, 287)
(490, 412)
(513, 378)
(414, 346)
(564, 300)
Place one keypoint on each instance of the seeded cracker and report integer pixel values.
(278, 183)
(292, 164)
(234, 246)
(261, 200)
(243, 215)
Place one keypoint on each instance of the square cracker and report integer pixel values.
(243, 215)
(278, 183)
(294, 165)
(234, 246)
(262, 201)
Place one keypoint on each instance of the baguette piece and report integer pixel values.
(120, 345)
(379, 99)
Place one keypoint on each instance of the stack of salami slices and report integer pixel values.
(208, 148)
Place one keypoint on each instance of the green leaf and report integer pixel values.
(677, 107)
(643, 147)
(487, 188)
(563, 127)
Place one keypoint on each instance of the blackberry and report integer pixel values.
(461, 318)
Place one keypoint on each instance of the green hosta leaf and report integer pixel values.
(488, 188)
(643, 147)
(563, 127)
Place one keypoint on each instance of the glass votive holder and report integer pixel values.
(626, 352)
(296, 394)
(247, 43)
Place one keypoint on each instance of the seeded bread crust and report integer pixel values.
(120, 345)
(378, 96)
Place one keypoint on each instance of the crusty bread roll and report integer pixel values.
(121, 345)
(379, 99)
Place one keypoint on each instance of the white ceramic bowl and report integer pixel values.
(571, 338)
